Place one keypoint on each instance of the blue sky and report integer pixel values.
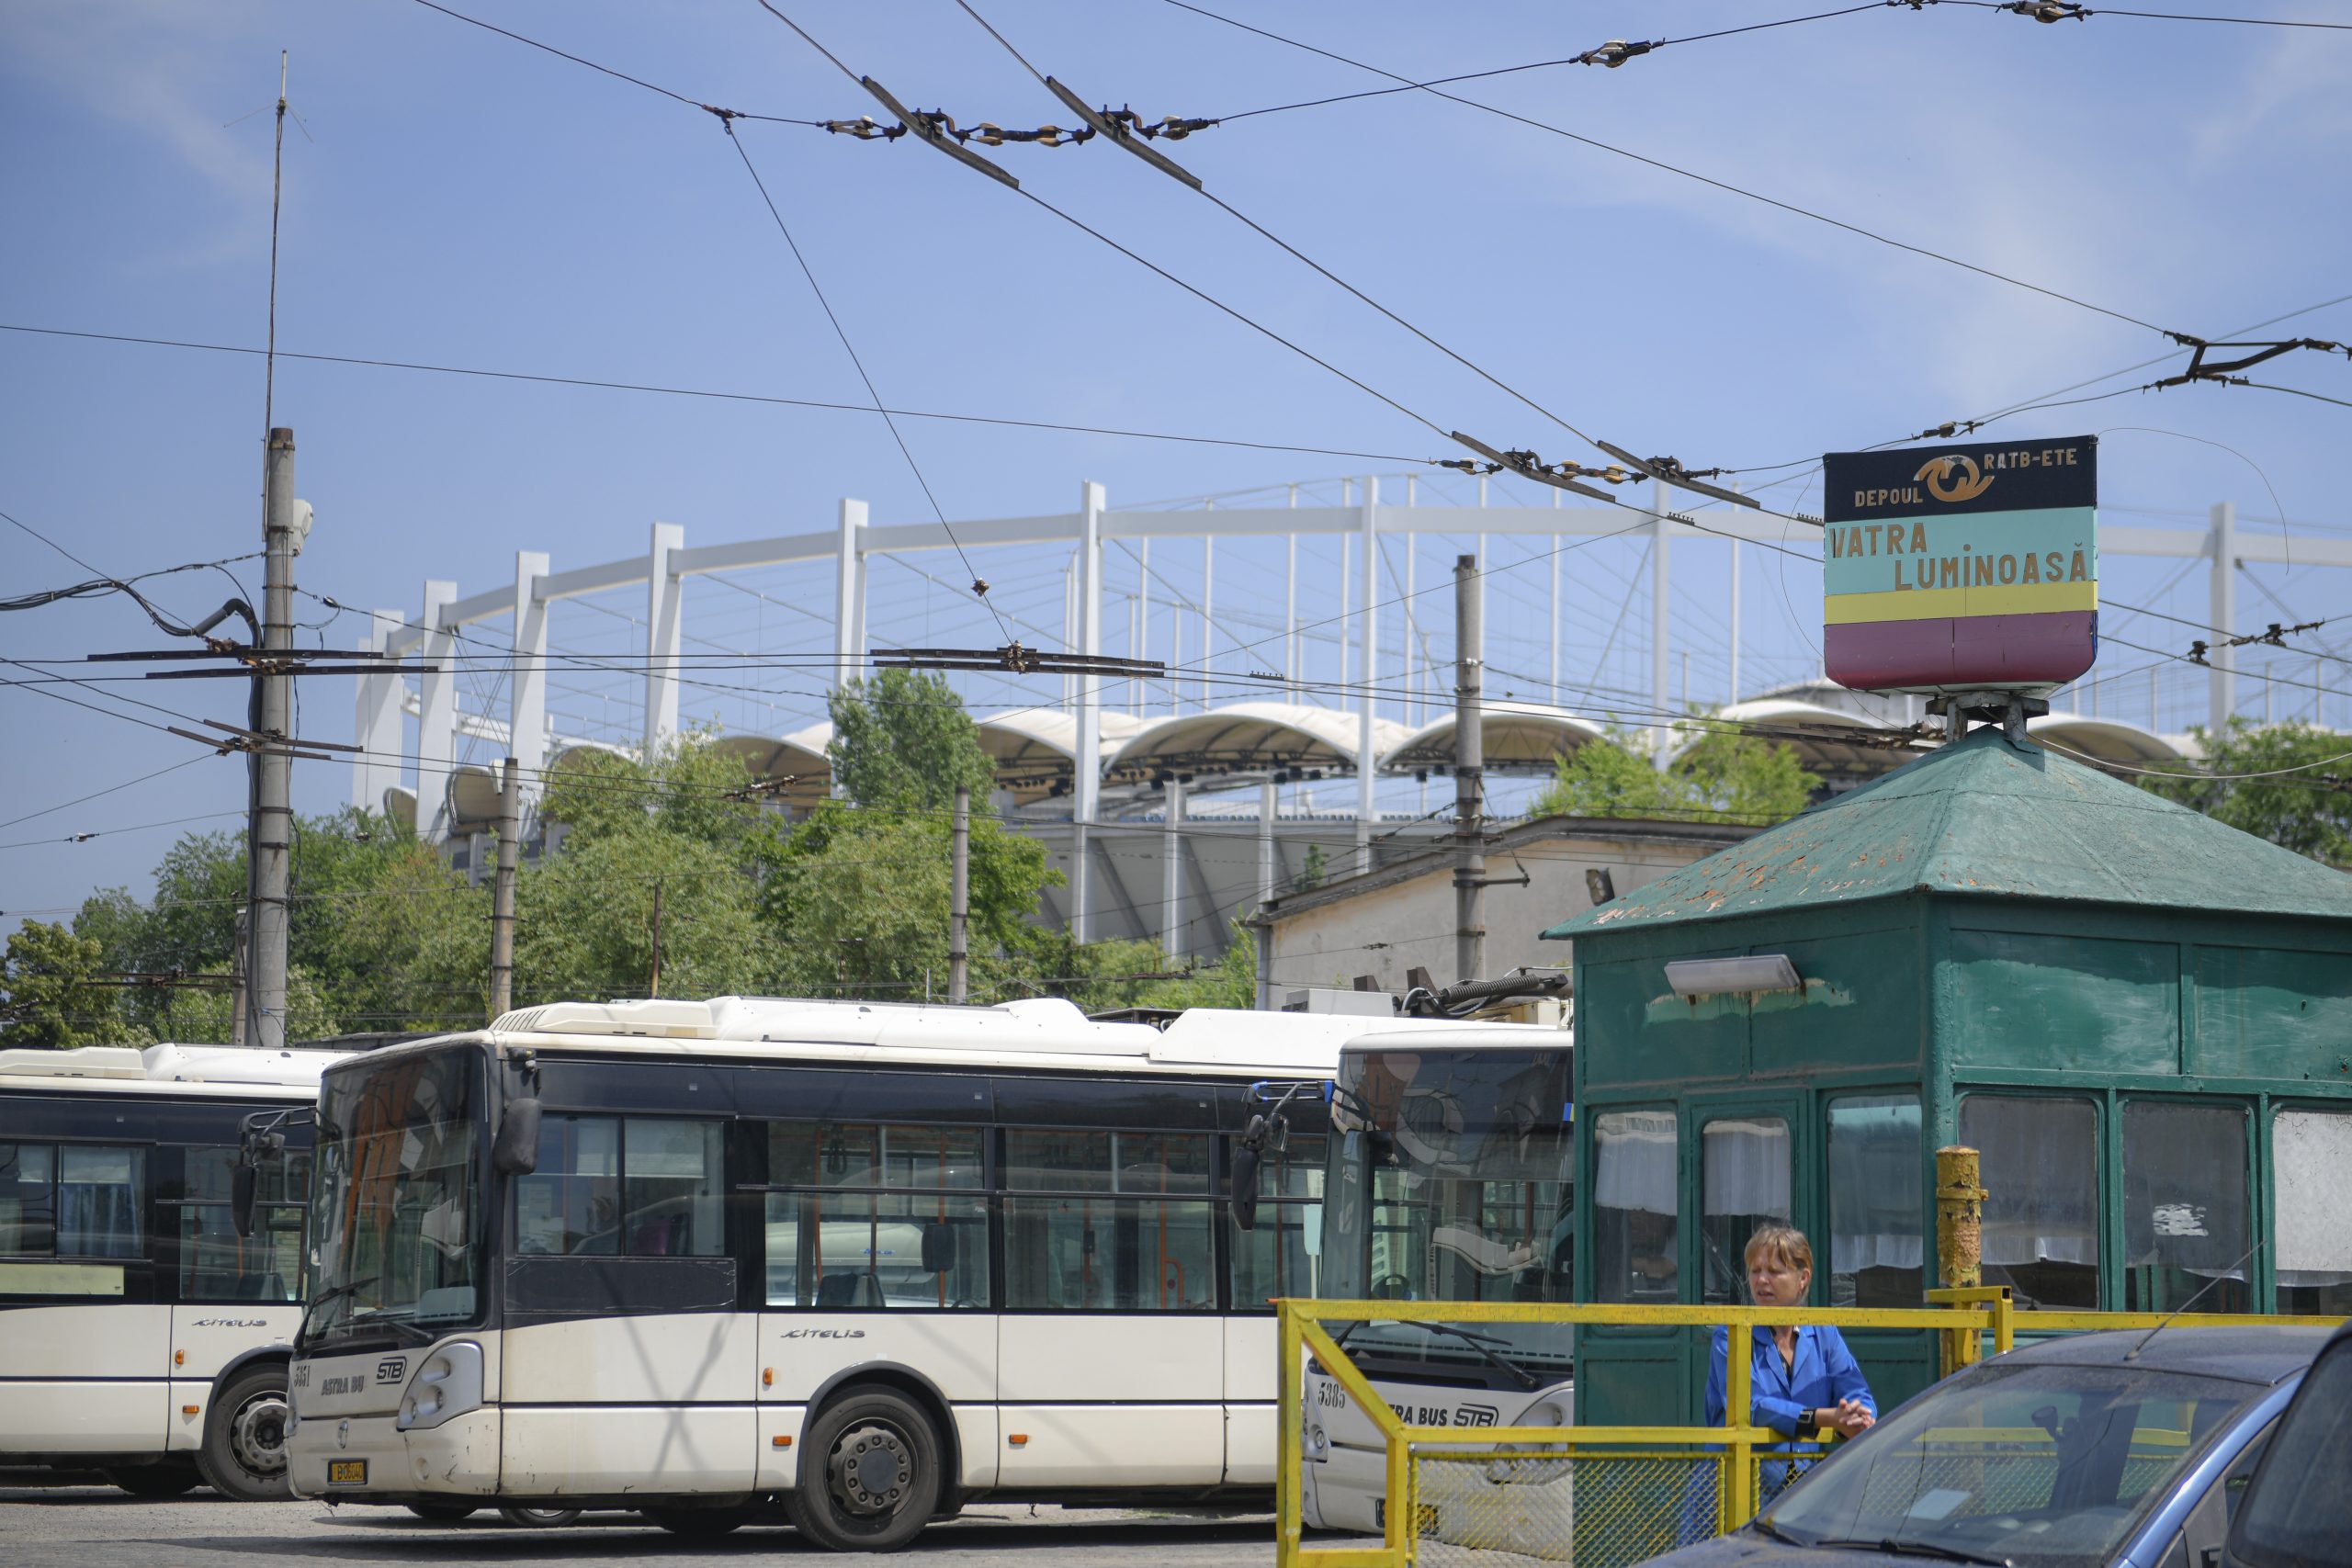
(469, 201)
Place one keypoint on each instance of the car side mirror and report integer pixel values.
(516, 1152)
(938, 1248)
(244, 1183)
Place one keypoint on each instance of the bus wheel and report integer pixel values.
(870, 1476)
(245, 1442)
(166, 1480)
(538, 1518)
(443, 1513)
(699, 1523)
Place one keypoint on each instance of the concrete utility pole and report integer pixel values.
(959, 897)
(269, 833)
(1469, 773)
(653, 985)
(502, 898)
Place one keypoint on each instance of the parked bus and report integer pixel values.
(1451, 1178)
(125, 1290)
(869, 1261)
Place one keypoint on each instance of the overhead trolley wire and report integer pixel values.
(704, 393)
(1407, 83)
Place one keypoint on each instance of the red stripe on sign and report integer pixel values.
(1971, 650)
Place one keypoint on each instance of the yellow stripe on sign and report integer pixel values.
(1952, 604)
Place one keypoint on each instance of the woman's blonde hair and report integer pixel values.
(1785, 1244)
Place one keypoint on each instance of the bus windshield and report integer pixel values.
(398, 1244)
(1450, 1181)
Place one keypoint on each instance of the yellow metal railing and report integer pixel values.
(1725, 1501)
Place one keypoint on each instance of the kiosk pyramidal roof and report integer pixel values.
(1985, 816)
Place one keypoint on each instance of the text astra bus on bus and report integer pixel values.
(124, 1289)
(871, 1261)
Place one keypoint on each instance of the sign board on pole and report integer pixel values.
(1961, 568)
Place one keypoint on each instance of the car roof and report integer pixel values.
(2253, 1353)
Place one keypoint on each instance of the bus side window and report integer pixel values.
(876, 1216)
(63, 1202)
(219, 1265)
(1635, 1229)
(1116, 1222)
(2041, 1214)
(634, 1186)
(1280, 1258)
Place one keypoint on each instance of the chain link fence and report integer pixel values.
(1599, 1508)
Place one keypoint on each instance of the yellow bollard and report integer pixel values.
(1960, 1242)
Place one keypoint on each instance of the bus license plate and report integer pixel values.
(346, 1473)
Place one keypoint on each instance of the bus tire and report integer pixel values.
(870, 1477)
(538, 1518)
(443, 1513)
(243, 1455)
(700, 1524)
(167, 1479)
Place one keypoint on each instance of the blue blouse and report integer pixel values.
(1822, 1374)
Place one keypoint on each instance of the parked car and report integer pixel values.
(2297, 1512)
(2120, 1447)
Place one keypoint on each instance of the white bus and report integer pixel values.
(125, 1290)
(1450, 1179)
(869, 1262)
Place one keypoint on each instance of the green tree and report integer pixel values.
(903, 741)
(50, 1002)
(1725, 777)
(1312, 870)
(205, 1015)
(2308, 810)
(1124, 973)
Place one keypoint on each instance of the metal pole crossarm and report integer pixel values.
(1117, 133)
(927, 130)
(257, 737)
(1526, 466)
(252, 747)
(2200, 371)
(1016, 658)
(276, 665)
(220, 649)
(1671, 471)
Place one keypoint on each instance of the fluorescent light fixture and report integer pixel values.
(1696, 978)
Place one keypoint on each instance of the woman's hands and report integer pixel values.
(1847, 1418)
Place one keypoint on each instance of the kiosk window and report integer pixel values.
(2310, 1152)
(2040, 1162)
(1875, 1202)
(1634, 1232)
(1744, 1177)
(2185, 1209)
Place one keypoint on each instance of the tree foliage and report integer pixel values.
(1725, 777)
(902, 741)
(2308, 810)
(50, 1002)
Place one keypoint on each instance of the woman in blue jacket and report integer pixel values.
(1801, 1380)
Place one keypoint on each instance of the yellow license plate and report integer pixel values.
(346, 1473)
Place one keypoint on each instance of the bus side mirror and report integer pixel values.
(1245, 1187)
(244, 1182)
(516, 1152)
(938, 1248)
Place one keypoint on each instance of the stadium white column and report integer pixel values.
(849, 596)
(665, 612)
(2223, 613)
(1660, 626)
(1369, 666)
(526, 685)
(1172, 872)
(378, 726)
(436, 713)
(1086, 768)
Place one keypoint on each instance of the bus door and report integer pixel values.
(234, 1292)
(84, 1344)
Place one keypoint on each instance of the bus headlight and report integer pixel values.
(448, 1384)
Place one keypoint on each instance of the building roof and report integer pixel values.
(1987, 817)
(1514, 736)
(2103, 739)
(1034, 749)
(799, 756)
(1251, 737)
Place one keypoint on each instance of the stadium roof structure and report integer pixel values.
(1251, 737)
(1036, 749)
(1515, 738)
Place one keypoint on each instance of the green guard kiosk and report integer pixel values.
(2141, 1017)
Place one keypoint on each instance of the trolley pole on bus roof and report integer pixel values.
(269, 831)
(501, 902)
(1469, 774)
(960, 892)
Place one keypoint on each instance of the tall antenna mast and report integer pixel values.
(276, 181)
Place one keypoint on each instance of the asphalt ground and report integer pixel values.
(97, 1527)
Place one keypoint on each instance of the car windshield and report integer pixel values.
(2043, 1465)
(1450, 1182)
(2299, 1513)
(396, 1207)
